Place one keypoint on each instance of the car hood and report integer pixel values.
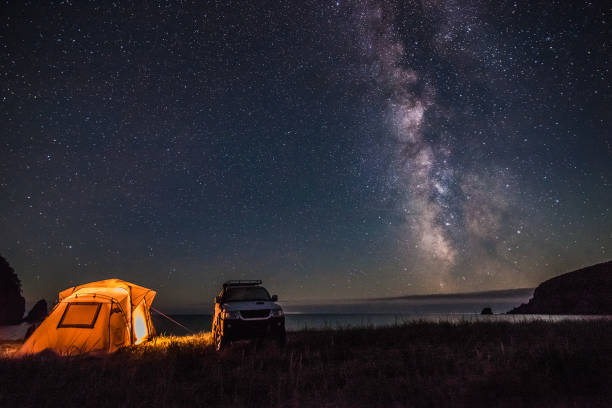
(250, 305)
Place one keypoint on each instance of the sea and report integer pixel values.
(304, 315)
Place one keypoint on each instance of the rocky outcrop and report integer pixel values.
(38, 312)
(585, 291)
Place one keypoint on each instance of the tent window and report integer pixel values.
(80, 314)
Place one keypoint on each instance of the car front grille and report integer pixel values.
(255, 314)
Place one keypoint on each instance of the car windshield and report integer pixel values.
(246, 293)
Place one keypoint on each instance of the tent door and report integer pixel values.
(117, 328)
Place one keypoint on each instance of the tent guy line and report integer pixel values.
(172, 320)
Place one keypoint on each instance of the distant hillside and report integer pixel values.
(489, 294)
(585, 291)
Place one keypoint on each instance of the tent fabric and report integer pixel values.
(137, 292)
(97, 317)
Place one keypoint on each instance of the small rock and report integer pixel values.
(38, 312)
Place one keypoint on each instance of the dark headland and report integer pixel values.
(587, 291)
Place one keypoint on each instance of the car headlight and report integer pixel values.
(276, 313)
(231, 314)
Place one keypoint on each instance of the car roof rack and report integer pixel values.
(251, 282)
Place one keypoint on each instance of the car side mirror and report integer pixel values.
(218, 299)
(274, 298)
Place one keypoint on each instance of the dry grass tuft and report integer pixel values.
(163, 343)
(8, 348)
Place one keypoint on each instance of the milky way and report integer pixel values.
(333, 149)
(451, 215)
(418, 168)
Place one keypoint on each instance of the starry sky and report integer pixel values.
(334, 149)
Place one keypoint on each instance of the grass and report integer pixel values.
(7, 348)
(418, 364)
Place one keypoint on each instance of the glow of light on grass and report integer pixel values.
(164, 343)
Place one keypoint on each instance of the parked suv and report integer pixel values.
(245, 310)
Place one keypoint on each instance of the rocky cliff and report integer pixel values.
(585, 291)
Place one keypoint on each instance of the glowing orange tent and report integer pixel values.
(96, 317)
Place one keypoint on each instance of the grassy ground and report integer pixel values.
(419, 364)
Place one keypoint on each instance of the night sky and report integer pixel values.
(334, 149)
